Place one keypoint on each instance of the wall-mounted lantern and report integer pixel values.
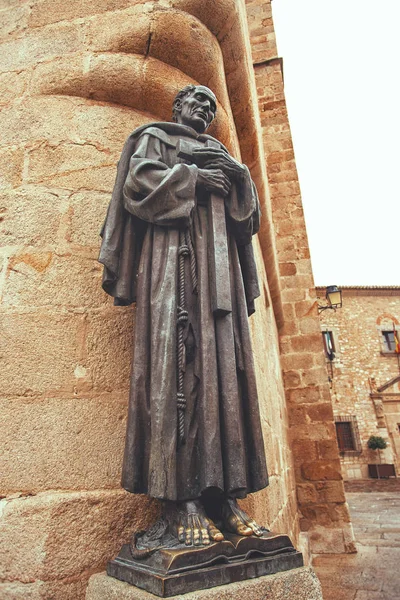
(333, 297)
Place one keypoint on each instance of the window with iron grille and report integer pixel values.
(347, 434)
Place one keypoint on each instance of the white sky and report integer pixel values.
(341, 64)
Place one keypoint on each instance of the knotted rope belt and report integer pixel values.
(185, 250)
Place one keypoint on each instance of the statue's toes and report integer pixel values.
(196, 537)
(215, 534)
(205, 540)
(243, 529)
(188, 537)
(181, 534)
(236, 525)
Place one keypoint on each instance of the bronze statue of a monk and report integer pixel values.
(177, 240)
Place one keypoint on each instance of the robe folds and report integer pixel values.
(155, 199)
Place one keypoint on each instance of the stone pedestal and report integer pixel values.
(297, 584)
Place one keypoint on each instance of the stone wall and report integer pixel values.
(360, 367)
(77, 78)
(320, 494)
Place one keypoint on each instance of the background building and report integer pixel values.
(364, 377)
(77, 77)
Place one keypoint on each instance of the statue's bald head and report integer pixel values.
(195, 106)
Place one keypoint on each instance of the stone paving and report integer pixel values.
(374, 572)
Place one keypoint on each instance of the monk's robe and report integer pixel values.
(155, 199)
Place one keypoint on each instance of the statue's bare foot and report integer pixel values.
(237, 521)
(192, 526)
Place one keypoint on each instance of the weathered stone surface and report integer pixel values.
(41, 442)
(122, 31)
(31, 217)
(109, 348)
(69, 281)
(298, 584)
(48, 160)
(372, 573)
(13, 22)
(327, 541)
(11, 164)
(40, 351)
(44, 590)
(94, 178)
(50, 11)
(59, 119)
(56, 535)
(87, 210)
(330, 491)
(18, 54)
(195, 38)
(13, 86)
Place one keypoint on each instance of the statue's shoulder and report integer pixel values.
(162, 131)
(167, 132)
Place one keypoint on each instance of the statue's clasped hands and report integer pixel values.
(218, 170)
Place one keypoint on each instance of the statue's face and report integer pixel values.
(197, 109)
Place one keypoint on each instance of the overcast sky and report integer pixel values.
(341, 67)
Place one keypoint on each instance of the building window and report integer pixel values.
(347, 435)
(389, 342)
(329, 344)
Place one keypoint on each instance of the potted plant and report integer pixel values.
(376, 442)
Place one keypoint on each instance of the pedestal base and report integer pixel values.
(183, 569)
(297, 584)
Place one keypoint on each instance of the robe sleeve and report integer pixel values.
(156, 192)
(243, 209)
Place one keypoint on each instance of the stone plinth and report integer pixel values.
(298, 584)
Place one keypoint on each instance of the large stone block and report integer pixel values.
(51, 11)
(61, 119)
(109, 348)
(48, 160)
(40, 351)
(31, 217)
(14, 21)
(330, 491)
(87, 212)
(45, 590)
(56, 535)
(121, 31)
(13, 85)
(217, 17)
(61, 443)
(178, 49)
(298, 584)
(99, 178)
(11, 164)
(68, 281)
(327, 541)
(20, 53)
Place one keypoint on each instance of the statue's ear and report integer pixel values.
(178, 105)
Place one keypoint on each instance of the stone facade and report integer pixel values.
(77, 78)
(365, 373)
